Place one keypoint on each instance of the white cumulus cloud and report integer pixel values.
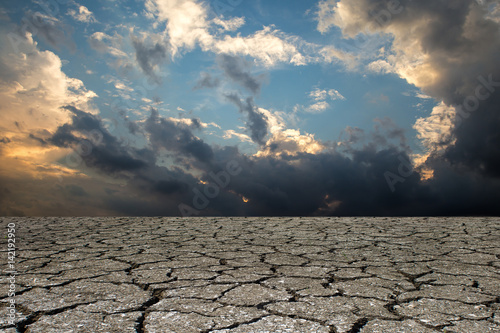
(188, 24)
(83, 14)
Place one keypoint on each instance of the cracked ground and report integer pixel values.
(241, 275)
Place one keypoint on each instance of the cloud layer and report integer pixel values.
(59, 155)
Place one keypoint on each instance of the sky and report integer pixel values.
(249, 108)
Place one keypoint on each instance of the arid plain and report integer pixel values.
(253, 275)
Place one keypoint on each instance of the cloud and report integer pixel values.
(448, 51)
(269, 46)
(318, 107)
(96, 146)
(435, 131)
(421, 59)
(319, 99)
(52, 135)
(286, 141)
(319, 180)
(318, 95)
(121, 86)
(149, 57)
(236, 69)
(207, 81)
(83, 15)
(330, 54)
(335, 95)
(172, 136)
(493, 11)
(326, 15)
(334, 183)
(232, 133)
(50, 29)
(104, 43)
(326, 181)
(33, 88)
(257, 121)
(75, 190)
(380, 67)
(170, 187)
(189, 24)
(231, 24)
(194, 123)
(290, 142)
(436, 135)
(422, 96)
(48, 116)
(125, 180)
(477, 145)
(321, 95)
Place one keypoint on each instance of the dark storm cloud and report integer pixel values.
(160, 189)
(108, 154)
(148, 57)
(473, 43)
(460, 191)
(477, 144)
(76, 190)
(308, 184)
(334, 183)
(256, 123)
(40, 140)
(6, 207)
(462, 46)
(100, 149)
(347, 182)
(170, 187)
(172, 137)
(236, 68)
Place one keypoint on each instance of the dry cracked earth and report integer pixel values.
(236, 275)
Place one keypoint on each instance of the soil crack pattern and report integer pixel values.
(244, 275)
